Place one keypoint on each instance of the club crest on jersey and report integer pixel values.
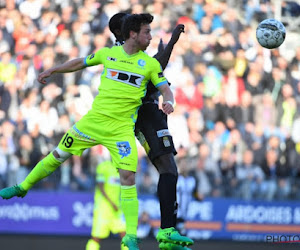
(141, 63)
(124, 148)
(166, 142)
(125, 77)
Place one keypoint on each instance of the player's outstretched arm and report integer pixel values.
(168, 99)
(69, 66)
(163, 56)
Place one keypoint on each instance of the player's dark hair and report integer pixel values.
(134, 23)
(115, 22)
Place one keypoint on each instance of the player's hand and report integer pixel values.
(176, 33)
(167, 107)
(161, 47)
(42, 76)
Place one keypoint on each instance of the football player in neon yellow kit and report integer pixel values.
(111, 120)
(107, 215)
(151, 130)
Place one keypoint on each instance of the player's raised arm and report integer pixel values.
(163, 55)
(168, 99)
(69, 66)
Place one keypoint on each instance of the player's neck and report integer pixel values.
(130, 48)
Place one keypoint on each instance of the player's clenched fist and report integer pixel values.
(167, 107)
(42, 76)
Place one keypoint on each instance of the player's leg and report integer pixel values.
(166, 189)
(118, 226)
(73, 142)
(168, 236)
(100, 227)
(130, 208)
(124, 157)
(153, 134)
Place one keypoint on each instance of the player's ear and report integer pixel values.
(133, 34)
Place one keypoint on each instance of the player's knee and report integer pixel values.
(127, 178)
(60, 155)
(166, 164)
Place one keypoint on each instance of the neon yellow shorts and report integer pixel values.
(93, 129)
(105, 222)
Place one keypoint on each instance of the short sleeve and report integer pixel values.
(96, 58)
(157, 75)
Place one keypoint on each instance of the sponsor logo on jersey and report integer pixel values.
(124, 61)
(111, 59)
(124, 148)
(163, 132)
(132, 79)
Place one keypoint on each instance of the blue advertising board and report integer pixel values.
(61, 213)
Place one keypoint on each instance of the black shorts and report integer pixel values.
(151, 129)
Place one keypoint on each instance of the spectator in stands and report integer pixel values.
(28, 156)
(252, 82)
(186, 187)
(145, 229)
(249, 177)
(265, 107)
(227, 166)
(207, 173)
(8, 69)
(276, 184)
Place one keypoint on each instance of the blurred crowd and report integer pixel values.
(236, 124)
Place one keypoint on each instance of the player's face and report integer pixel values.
(144, 37)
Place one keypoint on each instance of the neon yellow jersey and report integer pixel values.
(107, 174)
(124, 81)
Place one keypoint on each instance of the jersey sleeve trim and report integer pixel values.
(160, 84)
(85, 63)
(100, 179)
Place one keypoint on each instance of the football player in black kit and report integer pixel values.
(151, 130)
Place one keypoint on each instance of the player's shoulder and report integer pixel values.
(106, 49)
(150, 59)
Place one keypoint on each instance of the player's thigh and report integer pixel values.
(153, 133)
(123, 150)
(73, 143)
(82, 135)
(101, 224)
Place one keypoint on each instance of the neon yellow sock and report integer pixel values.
(44, 168)
(130, 207)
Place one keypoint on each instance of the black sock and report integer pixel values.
(175, 214)
(166, 191)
